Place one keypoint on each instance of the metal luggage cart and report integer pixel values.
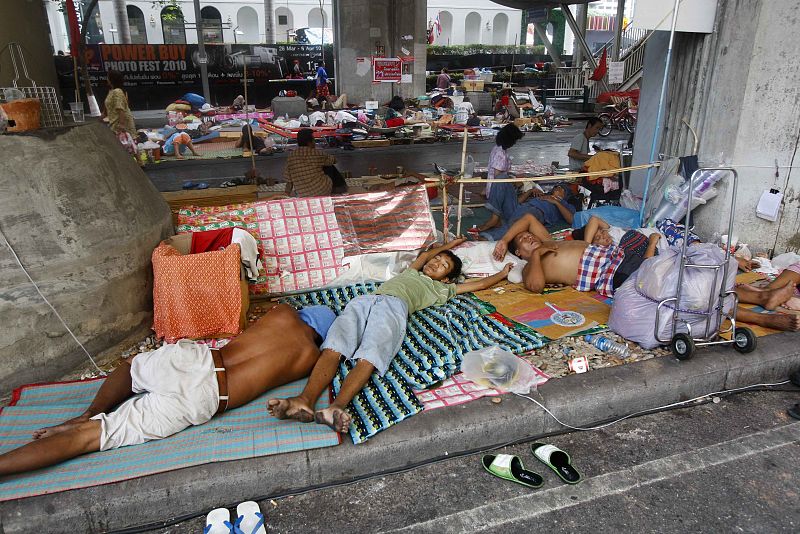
(683, 343)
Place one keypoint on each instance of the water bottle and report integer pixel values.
(606, 345)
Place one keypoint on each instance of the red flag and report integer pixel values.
(600, 72)
(74, 29)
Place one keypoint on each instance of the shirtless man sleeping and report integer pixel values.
(587, 266)
(156, 394)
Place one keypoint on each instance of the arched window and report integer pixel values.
(137, 25)
(318, 19)
(212, 25)
(446, 20)
(472, 29)
(247, 27)
(284, 23)
(172, 25)
(500, 29)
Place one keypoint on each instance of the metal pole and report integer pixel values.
(618, 33)
(582, 42)
(662, 97)
(201, 52)
(581, 13)
(542, 34)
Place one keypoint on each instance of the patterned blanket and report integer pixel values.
(303, 242)
(436, 339)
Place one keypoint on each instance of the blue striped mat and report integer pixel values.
(245, 432)
(436, 339)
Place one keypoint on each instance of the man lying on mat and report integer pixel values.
(156, 394)
(585, 266)
(604, 267)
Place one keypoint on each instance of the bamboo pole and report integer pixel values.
(443, 192)
(461, 185)
(247, 119)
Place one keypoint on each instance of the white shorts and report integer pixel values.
(175, 386)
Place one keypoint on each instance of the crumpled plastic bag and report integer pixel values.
(497, 368)
(633, 313)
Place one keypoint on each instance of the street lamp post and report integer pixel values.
(236, 31)
(113, 32)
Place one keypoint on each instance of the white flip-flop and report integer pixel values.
(218, 521)
(250, 520)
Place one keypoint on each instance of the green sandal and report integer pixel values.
(557, 460)
(510, 467)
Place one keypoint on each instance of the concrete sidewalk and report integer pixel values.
(579, 400)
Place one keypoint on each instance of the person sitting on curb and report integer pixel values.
(155, 394)
(259, 145)
(371, 329)
(310, 172)
(579, 148)
(176, 144)
(586, 266)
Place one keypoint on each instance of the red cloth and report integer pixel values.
(600, 72)
(397, 121)
(211, 240)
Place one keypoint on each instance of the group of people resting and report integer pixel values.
(156, 394)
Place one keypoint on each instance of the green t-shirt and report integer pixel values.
(417, 290)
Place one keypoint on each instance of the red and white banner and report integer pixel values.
(386, 69)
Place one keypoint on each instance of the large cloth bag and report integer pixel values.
(633, 314)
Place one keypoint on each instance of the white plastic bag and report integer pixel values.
(497, 368)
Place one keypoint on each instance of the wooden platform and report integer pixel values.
(371, 143)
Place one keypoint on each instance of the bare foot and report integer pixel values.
(334, 417)
(57, 429)
(292, 408)
(792, 304)
(779, 296)
(788, 322)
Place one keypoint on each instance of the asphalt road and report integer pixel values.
(728, 466)
(542, 147)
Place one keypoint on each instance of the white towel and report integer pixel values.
(249, 247)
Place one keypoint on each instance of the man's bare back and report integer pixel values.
(277, 349)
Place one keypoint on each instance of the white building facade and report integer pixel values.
(475, 22)
(242, 21)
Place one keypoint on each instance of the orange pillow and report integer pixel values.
(196, 295)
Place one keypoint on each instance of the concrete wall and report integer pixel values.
(83, 219)
(25, 22)
(738, 87)
(360, 24)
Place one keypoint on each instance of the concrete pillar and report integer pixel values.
(360, 25)
(26, 23)
(83, 219)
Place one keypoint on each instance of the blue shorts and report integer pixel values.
(318, 317)
(372, 328)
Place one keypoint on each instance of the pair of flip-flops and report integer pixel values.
(510, 467)
(233, 183)
(249, 520)
(193, 185)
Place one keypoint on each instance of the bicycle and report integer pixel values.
(621, 116)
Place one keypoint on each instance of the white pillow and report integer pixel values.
(478, 261)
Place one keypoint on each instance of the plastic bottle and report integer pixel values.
(607, 345)
(469, 167)
(474, 232)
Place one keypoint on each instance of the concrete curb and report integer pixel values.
(578, 400)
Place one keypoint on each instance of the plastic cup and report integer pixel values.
(77, 111)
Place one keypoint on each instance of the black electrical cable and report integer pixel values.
(688, 404)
